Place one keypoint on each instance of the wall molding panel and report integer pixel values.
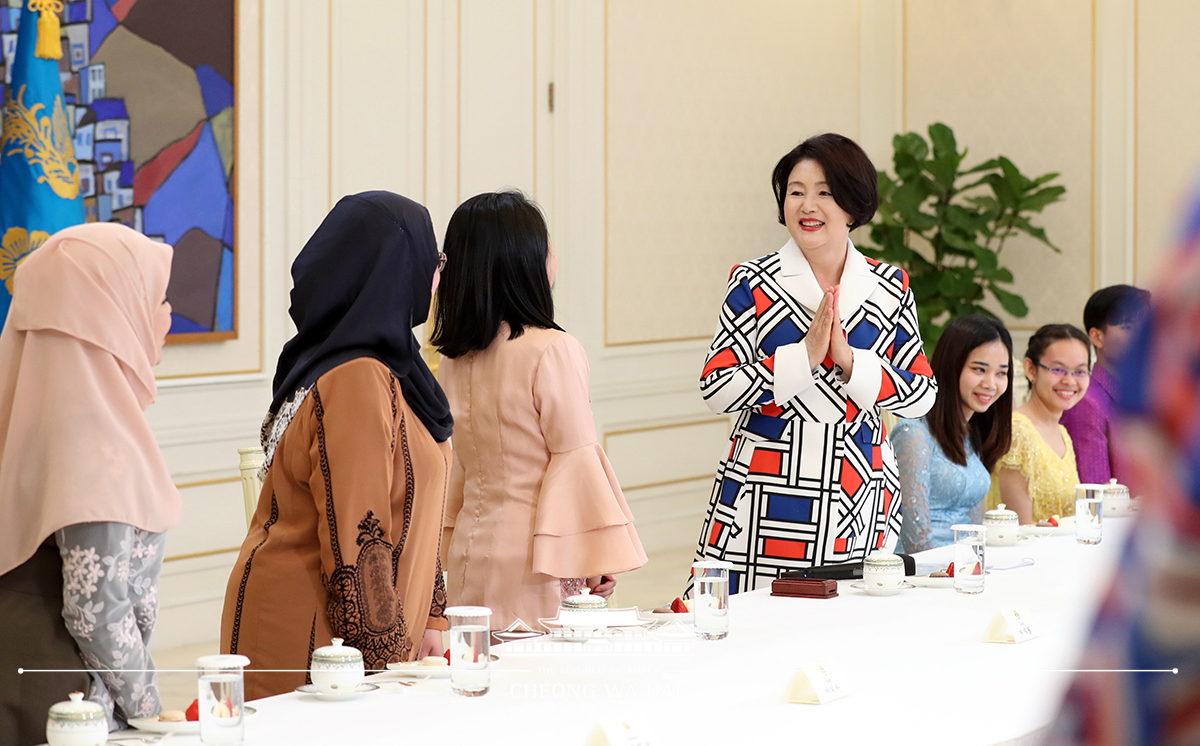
(653, 172)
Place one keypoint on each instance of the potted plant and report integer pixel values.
(947, 227)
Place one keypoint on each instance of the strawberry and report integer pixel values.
(447, 655)
(678, 606)
(950, 570)
(193, 711)
(1054, 521)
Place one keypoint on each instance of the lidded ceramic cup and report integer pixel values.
(585, 601)
(337, 668)
(1117, 500)
(76, 722)
(883, 572)
(1002, 526)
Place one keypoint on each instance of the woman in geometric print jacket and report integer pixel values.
(812, 342)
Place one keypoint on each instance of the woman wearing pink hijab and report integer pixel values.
(85, 494)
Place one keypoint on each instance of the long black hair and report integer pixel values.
(990, 431)
(496, 249)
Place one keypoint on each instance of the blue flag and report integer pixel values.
(39, 178)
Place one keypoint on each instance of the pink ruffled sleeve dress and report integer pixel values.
(532, 498)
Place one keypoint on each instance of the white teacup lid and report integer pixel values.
(585, 600)
(883, 559)
(337, 653)
(1002, 514)
(208, 662)
(77, 709)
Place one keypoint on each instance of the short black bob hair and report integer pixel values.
(848, 171)
(496, 249)
(1115, 305)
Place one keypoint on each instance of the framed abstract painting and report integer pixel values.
(149, 89)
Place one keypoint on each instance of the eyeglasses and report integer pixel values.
(441, 261)
(1078, 375)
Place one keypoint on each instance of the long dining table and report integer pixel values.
(915, 666)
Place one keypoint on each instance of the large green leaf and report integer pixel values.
(912, 144)
(986, 260)
(1001, 274)
(1025, 226)
(943, 172)
(985, 203)
(942, 138)
(908, 199)
(1044, 178)
(908, 167)
(1013, 176)
(944, 166)
(962, 244)
(1010, 302)
(1006, 196)
(884, 184)
(987, 165)
(924, 285)
(1038, 200)
(922, 222)
(932, 308)
(957, 283)
(969, 221)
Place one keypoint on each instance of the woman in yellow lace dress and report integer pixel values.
(1037, 476)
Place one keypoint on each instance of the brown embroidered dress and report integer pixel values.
(345, 539)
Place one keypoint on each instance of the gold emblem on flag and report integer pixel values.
(45, 142)
(14, 247)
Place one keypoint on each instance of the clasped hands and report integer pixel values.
(826, 335)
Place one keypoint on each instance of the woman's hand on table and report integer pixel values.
(602, 585)
(431, 644)
(816, 340)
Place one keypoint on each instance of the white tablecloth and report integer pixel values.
(915, 664)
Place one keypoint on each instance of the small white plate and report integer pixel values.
(663, 618)
(589, 621)
(1066, 526)
(924, 581)
(414, 668)
(358, 691)
(185, 728)
(861, 586)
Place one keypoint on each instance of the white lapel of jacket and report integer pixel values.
(858, 282)
(797, 278)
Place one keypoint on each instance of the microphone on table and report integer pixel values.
(845, 571)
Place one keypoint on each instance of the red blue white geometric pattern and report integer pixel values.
(811, 480)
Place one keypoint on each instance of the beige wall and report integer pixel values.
(1166, 126)
(703, 98)
(653, 169)
(1014, 78)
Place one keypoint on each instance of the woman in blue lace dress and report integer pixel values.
(945, 458)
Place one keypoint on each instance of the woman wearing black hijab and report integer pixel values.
(345, 539)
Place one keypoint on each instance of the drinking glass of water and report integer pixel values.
(969, 541)
(470, 650)
(711, 583)
(1089, 508)
(221, 699)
